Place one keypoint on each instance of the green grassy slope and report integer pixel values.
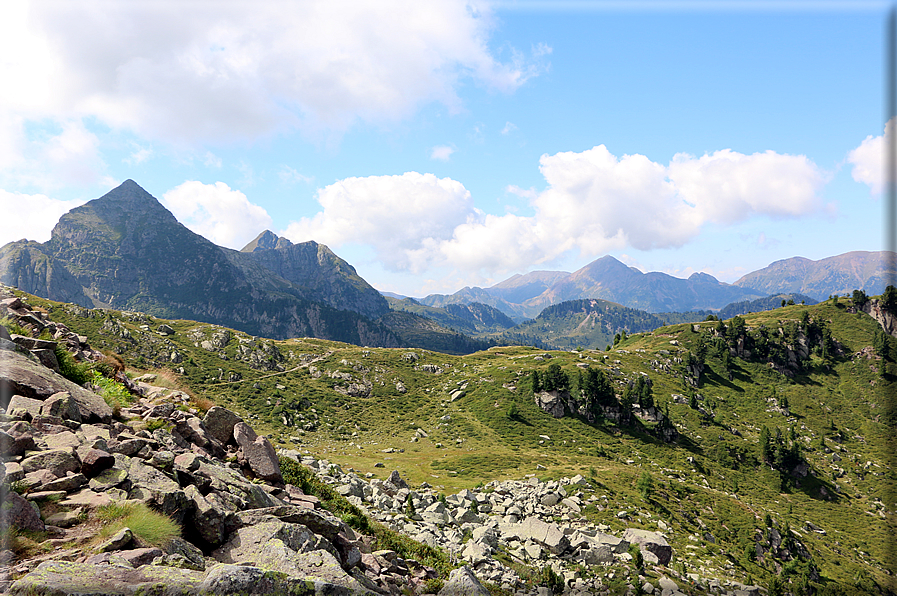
(362, 406)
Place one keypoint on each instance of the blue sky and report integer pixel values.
(441, 144)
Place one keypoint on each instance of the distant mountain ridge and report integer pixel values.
(126, 251)
(524, 296)
(605, 279)
(840, 274)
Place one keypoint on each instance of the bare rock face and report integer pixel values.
(258, 453)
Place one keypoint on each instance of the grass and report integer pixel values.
(149, 527)
(693, 478)
(13, 327)
(71, 369)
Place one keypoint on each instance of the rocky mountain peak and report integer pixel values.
(267, 240)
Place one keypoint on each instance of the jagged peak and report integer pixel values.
(267, 240)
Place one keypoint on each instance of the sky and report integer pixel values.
(442, 144)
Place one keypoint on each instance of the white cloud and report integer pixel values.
(404, 218)
(211, 160)
(509, 128)
(217, 212)
(442, 152)
(289, 175)
(139, 155)
(526, 193)
(35, 216)
(868, 160)
(595, 202)
(200, 71)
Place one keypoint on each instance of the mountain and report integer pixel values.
(587, 323)
(841, 274)
(126, 251)
(607, 279)
(761, 304)
(473, 318)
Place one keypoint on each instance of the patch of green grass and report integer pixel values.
(149, 527)
(14, 327)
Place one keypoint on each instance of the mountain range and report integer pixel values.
(525, 296)
(126, 251)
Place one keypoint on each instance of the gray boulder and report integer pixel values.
(258, 453)
(64, 577)
(462, 582)
(17, 512)
(653, 545)
(219, 423)
(56, 461)
(22, 376)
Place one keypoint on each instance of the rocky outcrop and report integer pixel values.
(244, 530)
(886, 319)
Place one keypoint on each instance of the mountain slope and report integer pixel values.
(841, 274)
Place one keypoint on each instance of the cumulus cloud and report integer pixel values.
(35, 216)
(442, 152)
(404, 218)
(223, 215)
(594, 202)
(868, 160)
(219, 71)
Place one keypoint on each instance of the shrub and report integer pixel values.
(74, 371)
(149, 527)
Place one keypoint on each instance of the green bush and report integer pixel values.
(76, 372)
(14, 327)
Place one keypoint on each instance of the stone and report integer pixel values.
(108, 478)
(251, 581)
(18, 404)
(191, 556)
(95, 461)
(141, 556)
(207, 516)
(219, 423)
(652, 544)
(258, 453)
(65, 519)
(19, 513)
(64, 577)
(120, 540)
(56, 461)
(396, 480)
(462, 582)
(66, 440)
(21, 376)
(67, 484)
(61, 405)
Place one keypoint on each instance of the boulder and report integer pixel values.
(462, 582)
(19, 513)
(22, 376)
(653, 545)
(23, 407)
(258, 453)
(56, 461)
(95, 461)
(227, 579)
(219, 423)
(64, 577)
(61, 405)
(292, 549)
